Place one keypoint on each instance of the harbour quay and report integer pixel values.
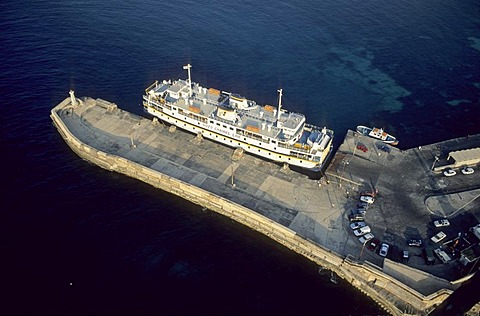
(308, 216)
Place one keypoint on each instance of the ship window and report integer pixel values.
(288, 158)
(231, 128)
(300, 161)
(279, 156)
(274, 142)
(211, 122)
(259, 150)
(269, 154)
(218, 124)
(244, 138)
(248, 147)
(224, 126)
(274, 148)
(260, 144)
(239, 144)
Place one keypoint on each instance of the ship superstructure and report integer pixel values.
(231, 119)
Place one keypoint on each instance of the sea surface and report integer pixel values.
(75, 238)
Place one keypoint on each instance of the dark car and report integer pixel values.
(355, 217)
(384, 148)
(361, 211)
(362, 147)
(373, 244)
(428, 256)
(363, 205)
(415, 242)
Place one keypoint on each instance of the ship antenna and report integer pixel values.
(279, 102)
(187, 67)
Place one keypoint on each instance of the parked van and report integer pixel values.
(442, 255)
(428, 256)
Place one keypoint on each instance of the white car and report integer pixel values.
(366, 238)
(362, 231)
(357, 225)
(367, 199)
(441, 223)
(449, 173)
(467, 170)
(438, 237)
(384, 250)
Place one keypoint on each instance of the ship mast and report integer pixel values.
(187, 67)
(279, 104)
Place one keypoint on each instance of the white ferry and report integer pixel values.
(231, 119)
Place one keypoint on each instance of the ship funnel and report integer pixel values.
(72, 98)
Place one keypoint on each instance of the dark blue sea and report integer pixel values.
(76, 239)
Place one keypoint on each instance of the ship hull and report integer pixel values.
(280, 156)
(377, 133)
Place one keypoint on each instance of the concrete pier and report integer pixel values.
(307, 216)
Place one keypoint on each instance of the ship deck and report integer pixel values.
(262, 119)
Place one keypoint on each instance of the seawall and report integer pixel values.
(396, 297)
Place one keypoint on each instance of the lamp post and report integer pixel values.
(233, 171)
(436, 159)
(363, 247)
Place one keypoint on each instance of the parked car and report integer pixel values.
(414, 242)
(468, 170)
(372, 193)
(405, 256)
(428, 256)
(367, 199)
(373, 244)
(355, 217)
(363, 205)
(384, 148)
(357, 225)
(362, 231)
(366, 238)
(362, 147)
(384, 249)
(449, 172)
(361, 211)
(441, 223)
(438, 237)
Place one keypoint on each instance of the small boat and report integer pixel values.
(377, 133)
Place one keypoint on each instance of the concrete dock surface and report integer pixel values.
(410, 195)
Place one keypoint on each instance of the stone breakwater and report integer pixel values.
(81, 126)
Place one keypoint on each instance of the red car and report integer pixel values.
(362, 147)
(372, 245)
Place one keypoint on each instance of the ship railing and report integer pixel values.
(151, 86)
(293, 147)
(230, 123)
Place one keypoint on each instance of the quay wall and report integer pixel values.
(394, 296)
